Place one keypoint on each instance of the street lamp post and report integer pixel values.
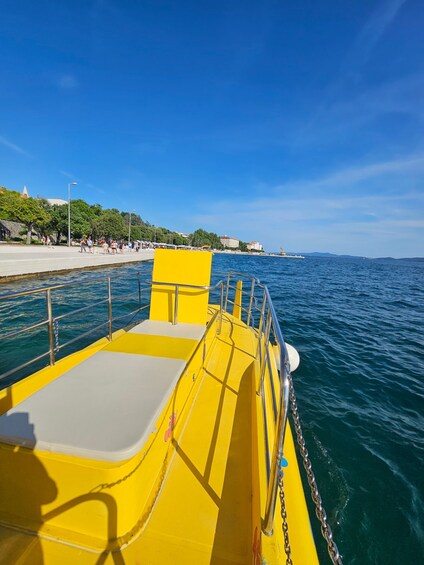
(69, 211)
(129, 228)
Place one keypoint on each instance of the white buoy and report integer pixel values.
(294, 357)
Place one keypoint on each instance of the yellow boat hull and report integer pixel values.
(194, 493)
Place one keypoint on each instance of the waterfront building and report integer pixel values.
(230, 242)
(255, 246)
(56, 201)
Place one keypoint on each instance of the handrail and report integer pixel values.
(67, 314)
(281, 424)
(194, 286)
(267, 319)
(26, 329)
(177, 287)
(63, 285)
(51, 321)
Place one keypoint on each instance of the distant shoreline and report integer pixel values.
(253, 254)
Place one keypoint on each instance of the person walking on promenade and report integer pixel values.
(83, 243)
(90, 244)
(49, 242)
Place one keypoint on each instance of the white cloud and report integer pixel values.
(376, 25)
(315, 215)
(69, 176)
(14, 147)
(354, 174)
(346, 104)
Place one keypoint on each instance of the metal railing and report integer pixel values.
(257, 311)
(267, 325)
(51, 321)
(193, 287)
(257, 305)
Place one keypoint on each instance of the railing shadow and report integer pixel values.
(112, 521)
(234, 524)
(26, 486)
(21, 471)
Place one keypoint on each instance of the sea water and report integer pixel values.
(358, 326)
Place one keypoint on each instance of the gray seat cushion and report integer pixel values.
(104, 408)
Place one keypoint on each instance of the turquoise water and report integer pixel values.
(357, 325)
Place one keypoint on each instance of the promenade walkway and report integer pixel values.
(17, 261)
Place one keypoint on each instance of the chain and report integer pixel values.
(56, 334)
(326, 531)
(284, 524)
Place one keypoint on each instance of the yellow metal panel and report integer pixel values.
(237, 300)
(154, 345)
(181, 267)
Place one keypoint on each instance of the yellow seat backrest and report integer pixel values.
(180, 266)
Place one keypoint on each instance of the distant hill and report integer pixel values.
(418, 259)
(319, 254)
(334, 255)
(313, 254)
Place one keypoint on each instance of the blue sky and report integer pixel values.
(292, 123)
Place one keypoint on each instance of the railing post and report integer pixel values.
(221, 306)
(139, 290)
(175, 321)
(261, 325)
(50, 326)
(278, 449)
(109, 308)
(266, 339)
(251, 302)
(228, 290)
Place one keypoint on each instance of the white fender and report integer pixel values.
(294, 357)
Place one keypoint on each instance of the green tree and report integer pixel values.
(27, 211)
(95, 213)
(44, 227)
(110, 224)
(7, 203)
(160, 235)
(135, 219)
(135, 232)
(81, 218)
(201, 237)
(58, 221)
(178, 239)
(147, 233)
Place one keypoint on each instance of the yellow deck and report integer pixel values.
(195, 494)
(207, 508)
